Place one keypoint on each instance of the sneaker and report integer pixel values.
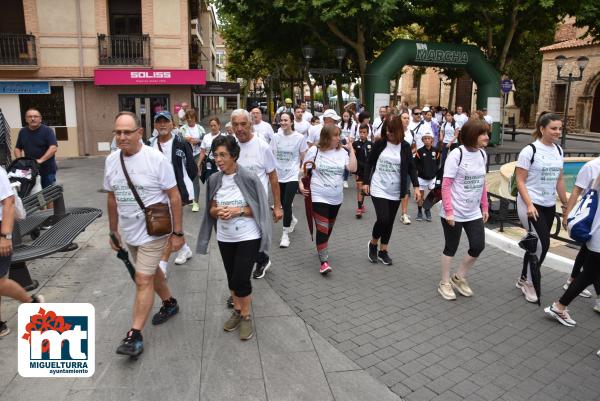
(167, 310)
(233, 322)
(520, 282)
(563, 317)
(37, 299)
(260, 270)
(372, 255)
(183, 256)
(131, 346)
(4, 330)
(246, 329)
(597, 305)
(420, 216)
(384, 258)
(345, 184)
(529, 292)
(428, 215)
(405, 219)
(461, 285)
(195, 207)
(585, 293)
(285, 239)
(446, 291)
(293, 224)
(359, 213)
(230, 302)
(325, 268)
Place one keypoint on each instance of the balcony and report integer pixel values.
(124, 49)
(18, 51)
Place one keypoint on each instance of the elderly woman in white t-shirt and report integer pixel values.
(193, 133)
(464, 206)
(539, 176)
(330, 158)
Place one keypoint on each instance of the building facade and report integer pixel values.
(81, 61)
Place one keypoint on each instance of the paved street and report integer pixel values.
(352, 335)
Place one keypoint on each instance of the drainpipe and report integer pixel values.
(81, 75)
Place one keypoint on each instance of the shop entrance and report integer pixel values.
(145, 108)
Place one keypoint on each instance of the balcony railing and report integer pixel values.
(124, 49)
(17, 49)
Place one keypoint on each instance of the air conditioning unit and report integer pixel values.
(196, 30)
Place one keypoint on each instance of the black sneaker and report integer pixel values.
(230, 301)
(168, 309)
(261, 269)
(4, 330)
(384, 257)
(131, 345)
(420, 216)
(428, 215)
(372, 255)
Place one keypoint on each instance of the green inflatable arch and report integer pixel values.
(409, 52)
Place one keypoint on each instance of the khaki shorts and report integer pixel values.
(146, 257)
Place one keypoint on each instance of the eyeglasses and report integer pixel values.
(125, 132)
(416, 114)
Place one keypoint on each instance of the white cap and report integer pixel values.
(429, 134)
(330, 113)
(426, 109)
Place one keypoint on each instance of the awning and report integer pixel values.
(149, 77)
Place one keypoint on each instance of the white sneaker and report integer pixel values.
(292, 224)
(405, 219)
(446, 291)
(285, 239)
(563, 317)
(520, 282)
(345, 184)
(529, 292)
(183, 256)
(597, 306)
(585, 293)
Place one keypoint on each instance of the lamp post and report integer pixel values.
(308, 53)
(560, 63)
(442, 78)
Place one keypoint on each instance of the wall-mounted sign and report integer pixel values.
(149, 77)
(24, 88)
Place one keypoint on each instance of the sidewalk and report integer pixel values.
(190, 357)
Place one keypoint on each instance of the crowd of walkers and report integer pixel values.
(253, 173)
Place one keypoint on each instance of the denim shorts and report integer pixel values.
(48, 180)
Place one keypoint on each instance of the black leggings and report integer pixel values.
(288, 191)
(475, 233)
(578, 265)
(238, 259)
(324, 215)
(589, 275)
(541, 226)
(385, 210)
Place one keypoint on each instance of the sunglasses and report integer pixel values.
(417, 114)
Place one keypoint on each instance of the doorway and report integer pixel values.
(595, 123)
(145, 108)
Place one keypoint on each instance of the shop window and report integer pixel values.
(51, 107)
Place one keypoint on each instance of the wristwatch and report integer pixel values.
(241, 212)
(7, 236)
(177, 233)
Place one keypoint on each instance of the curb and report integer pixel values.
(553, 261)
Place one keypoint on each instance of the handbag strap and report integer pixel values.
(130, 184)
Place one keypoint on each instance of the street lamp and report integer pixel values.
(308, 53)
(560, 63)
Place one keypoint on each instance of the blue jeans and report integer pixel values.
(48, 180)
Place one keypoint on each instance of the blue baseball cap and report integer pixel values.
(163, 114)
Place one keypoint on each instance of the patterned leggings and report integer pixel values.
(324, 215)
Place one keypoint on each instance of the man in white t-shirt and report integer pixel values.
(330, 117)
(261, 128)
(154, 181)
(301, 126)
(488, 119)
(460, 118)
(256, 155)
(306, 115)
(378, 122)
(418, 127)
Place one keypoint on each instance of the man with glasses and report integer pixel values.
(152, 176)
(38, 142)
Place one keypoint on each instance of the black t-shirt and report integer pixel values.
(362, 151)
(427, 161)
(35, 144)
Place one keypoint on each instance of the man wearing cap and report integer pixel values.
(261, 128)
(287, 107)
(179, 153)
(330, 117)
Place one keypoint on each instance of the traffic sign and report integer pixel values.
(506, 85)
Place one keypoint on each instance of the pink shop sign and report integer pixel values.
(150, 77)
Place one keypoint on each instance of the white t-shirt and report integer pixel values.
(408, 137)
(543, 174)
(5, 189)
(314, 133)
(195, 132)
(448, 132)
(236, 229)
(301, 127)
(256, 155)
(460, 120)
(206, 144)
(326, 184)
(585, 179)
(152, 175)
(168, 152)
(377, 125)
(418, 129)
(307, 116)
(264, 131)
(386, 178)
(346, 132)
(469, 179)
(287, 149)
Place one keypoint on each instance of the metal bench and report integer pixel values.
(67, 224)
